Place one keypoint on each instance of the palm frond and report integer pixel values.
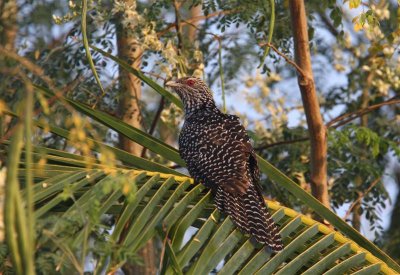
(173, 204)
(172, 154)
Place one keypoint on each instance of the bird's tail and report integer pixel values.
(250, 214)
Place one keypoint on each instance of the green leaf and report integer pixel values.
(149, 230)
(329, 260)
(142, 77)
(271, 29)
(172, 203)
(10, 213)
(170, 253)
(353, 4)
(132, 133)
(210, 258)
(324, 212)
(168, 152)
(132, 237)
(86, 45)
(121, 155)
(130, 207)
(351, 262)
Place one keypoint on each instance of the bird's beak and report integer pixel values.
(172, 84)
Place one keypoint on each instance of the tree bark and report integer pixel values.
(392, 244)
(8, 35)
(129, 110)
(8, 23)
(316, 127)
(130, 89)
(192, 30)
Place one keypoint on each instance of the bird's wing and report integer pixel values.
(251, 159)
(225, 157)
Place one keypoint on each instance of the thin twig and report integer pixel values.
(360, 197)
(36, 70)
(283, 142)
(155, 121)
(178, 27)
(331, 28)
(287, 59)
(39, 72)
(65, 249)
(157, 115)
(195, 19)
(337, 122)
(346, 118)
(271, 29)
(175, 166)
(163, 247)
(221, 74)
(18, 73)
(157, 76)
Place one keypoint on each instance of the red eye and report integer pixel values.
(190, 82)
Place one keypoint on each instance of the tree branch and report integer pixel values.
(178, 27)
(360, 197)
(346, 118)
(343, 119)
(283, 142)
(328, 24)
(316, 127)
(155, 121)
(33, 68)
(195, 19)
(287, 59)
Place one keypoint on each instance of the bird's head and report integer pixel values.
(193, 92)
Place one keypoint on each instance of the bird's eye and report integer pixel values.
(190, 82)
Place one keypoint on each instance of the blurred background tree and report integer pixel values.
(355, 59)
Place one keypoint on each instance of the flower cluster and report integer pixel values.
(272, 104)
(381, 62)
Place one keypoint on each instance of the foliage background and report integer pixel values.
(355, 60)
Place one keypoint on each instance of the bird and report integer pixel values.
(217, 151)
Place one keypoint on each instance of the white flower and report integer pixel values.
(347, 40)
(388, 51)
(249, 83)
(57, 19)
(198, 73)
(169, 53)
(122, 6)
(198, 55)
(274, 77)
(366, 68)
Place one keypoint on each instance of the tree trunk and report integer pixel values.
(192, 30)
(129, 111)
(8, 35)
(392, 244)
(8, 23)
(316, 128)
(130, 90)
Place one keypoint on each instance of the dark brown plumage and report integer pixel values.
(218, 153)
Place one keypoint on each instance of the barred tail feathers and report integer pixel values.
(250, 214)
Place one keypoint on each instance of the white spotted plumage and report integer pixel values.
(218, 153)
